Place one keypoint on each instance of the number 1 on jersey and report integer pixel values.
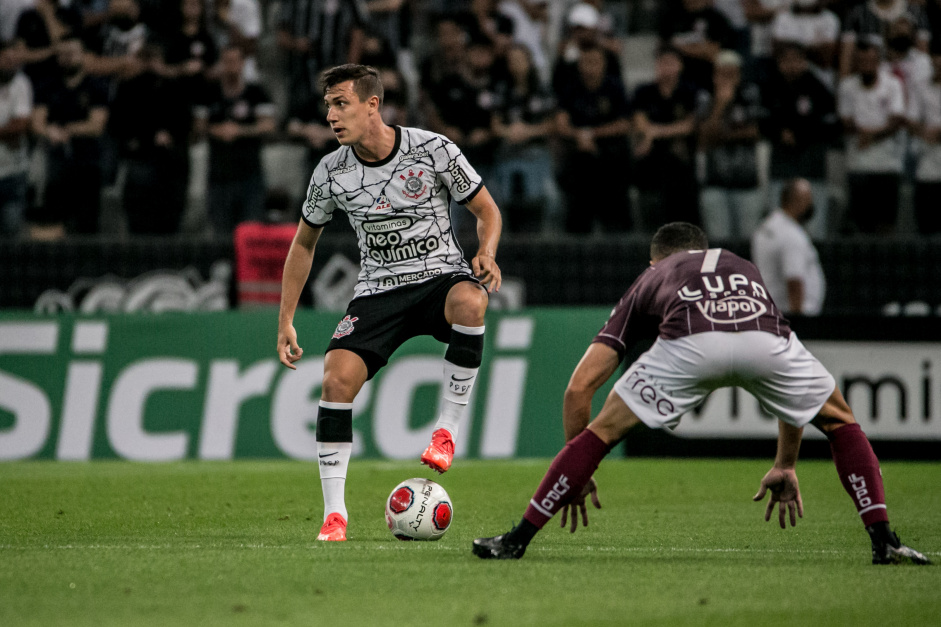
(711, 260)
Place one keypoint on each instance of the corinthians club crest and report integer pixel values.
(344, 328)
(414, 185)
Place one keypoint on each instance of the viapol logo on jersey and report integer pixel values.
(727, 304)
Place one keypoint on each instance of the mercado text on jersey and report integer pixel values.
(399, 207)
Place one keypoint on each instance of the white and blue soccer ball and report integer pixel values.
(418, 509)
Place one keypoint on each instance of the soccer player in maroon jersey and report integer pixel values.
(718, 327)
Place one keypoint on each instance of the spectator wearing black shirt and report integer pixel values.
(522, 122)
(151, 120)
(584, 32)
(38, 30)
(114, 46)
(593, 121)
(460, 105)
(731, 201)
(699, 32)
(70, 116)
(318, 34)
(16, 107)
(190, 51)
(239, 116)
(801, 125)
(483, 21)
(447, 56)
(664, 143)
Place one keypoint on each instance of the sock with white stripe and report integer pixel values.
(461, 363)
(334, 446)
(567, 476)
(858, 468)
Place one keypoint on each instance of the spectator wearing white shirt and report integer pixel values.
(924, 115)
(786, 257)
(16, 107)
(871, 104)
(905, 61)
(814, 27)
(868, 22)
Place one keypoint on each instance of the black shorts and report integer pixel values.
(376, 325)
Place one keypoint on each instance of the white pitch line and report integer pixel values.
(403, 547)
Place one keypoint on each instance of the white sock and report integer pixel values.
(458, 384)
(334, 458)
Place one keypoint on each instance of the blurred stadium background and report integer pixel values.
(123, 335)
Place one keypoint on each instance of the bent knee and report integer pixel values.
(834, 414)
(338, 388)
(467, 305)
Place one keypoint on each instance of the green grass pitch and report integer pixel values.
(677, 542)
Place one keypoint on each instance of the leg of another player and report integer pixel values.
(464, 310)
(858, 469)
(570, 472)
(344, 375)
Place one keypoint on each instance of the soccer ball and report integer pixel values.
(418, 509)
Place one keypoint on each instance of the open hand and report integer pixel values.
(591, 488)
(782, 482)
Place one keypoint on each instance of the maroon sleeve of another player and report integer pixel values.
(617, 331)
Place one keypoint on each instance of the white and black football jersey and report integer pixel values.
(398, 207)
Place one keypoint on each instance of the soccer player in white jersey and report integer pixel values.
(395, 185)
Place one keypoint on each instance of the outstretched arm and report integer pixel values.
(296, 269)
(782, 478)
(596, 366)
(489, 227)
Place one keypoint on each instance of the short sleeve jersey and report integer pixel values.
(693, 292)
(398, 207)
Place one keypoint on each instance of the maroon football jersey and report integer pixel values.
(694, 292)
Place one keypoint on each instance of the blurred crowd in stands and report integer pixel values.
(574, 124)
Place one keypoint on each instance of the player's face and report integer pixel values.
(346, 113)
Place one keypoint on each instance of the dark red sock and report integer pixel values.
(570, 471)
(859, 471)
